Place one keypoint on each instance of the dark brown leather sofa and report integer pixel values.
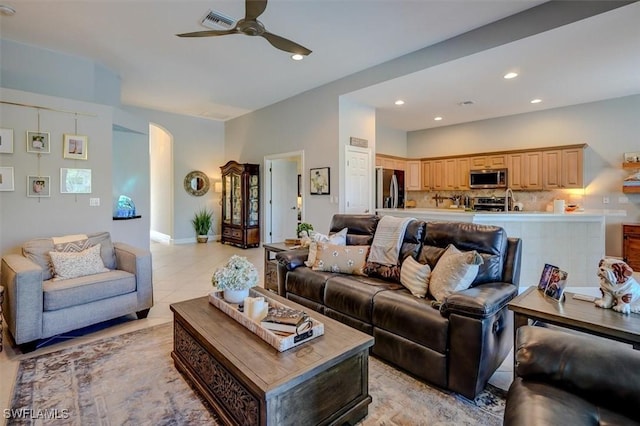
(569, 379)
(456, 345)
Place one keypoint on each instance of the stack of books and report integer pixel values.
(286, 320)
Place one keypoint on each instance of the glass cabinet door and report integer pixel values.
(227, 199)
(253, 208)
(236, 191)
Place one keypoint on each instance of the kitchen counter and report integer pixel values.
(575, 242)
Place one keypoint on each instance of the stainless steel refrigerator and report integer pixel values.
(389, 188)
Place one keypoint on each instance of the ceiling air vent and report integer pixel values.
(218, 21)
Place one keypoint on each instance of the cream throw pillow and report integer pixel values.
(77, 264)
(415, 276)
(341, 259)
(454, 271)
(339, 239)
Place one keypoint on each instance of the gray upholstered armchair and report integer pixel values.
(38, 303)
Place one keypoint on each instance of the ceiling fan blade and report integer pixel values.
(209, 33)
(284, 44)
(254, 8)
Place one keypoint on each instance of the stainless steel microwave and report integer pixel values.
(489, 178)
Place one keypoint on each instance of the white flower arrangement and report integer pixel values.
(237, 274)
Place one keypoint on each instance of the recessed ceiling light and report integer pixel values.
(510, 75)
(437, 118)
(536, 101)
(399, 102)
(297, 57)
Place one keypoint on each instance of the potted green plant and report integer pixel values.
(202, 224)
(235, 278)
(304, 226)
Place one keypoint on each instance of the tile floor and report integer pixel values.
(180, 272)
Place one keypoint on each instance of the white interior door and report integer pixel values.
(358, 179)
(284, 199)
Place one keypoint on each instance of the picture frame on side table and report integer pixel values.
(38, 186)
(319, 181)
(6, 141)
(6, 179)
(38, 142)
(75, 181)
(75, 147)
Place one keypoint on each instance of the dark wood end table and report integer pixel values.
(575, 314)
(271, 264)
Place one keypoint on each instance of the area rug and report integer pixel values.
(131, 380)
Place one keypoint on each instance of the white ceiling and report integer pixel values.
(224, 77)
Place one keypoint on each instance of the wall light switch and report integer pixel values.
(623, 200)
(94, 202)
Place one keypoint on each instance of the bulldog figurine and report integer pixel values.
(619, 289)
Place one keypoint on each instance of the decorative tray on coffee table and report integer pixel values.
(280, 342)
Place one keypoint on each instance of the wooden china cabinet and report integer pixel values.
(241, 204)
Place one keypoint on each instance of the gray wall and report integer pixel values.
(59, 214)
(198, 144)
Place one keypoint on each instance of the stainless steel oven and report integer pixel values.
(488, 179)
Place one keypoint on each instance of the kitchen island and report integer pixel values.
(575, 242)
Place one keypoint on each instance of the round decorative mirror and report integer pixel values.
(196, 183)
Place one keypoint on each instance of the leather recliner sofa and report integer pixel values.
(563, 378)
(456, 345)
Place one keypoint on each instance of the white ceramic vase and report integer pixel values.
(236, 296)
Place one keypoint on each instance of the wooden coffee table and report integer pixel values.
(575, 314)
(323, 381)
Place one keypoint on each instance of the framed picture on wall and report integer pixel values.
(38, 142)
(319, 180)
(38, 186)
(75, 147)
(75, 181)
(6, 141)
(6, 179)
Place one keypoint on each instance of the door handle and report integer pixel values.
(366, 211)
(293, 208)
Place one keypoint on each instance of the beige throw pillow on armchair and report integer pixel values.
(454, 271)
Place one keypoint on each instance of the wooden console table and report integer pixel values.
(271, 264)
(575, 314)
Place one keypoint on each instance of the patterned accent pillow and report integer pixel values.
(341, 259)
(415, 276)
(77, 264)
(339, 239)
(454, 271)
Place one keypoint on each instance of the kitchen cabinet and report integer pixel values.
(456, 174)
(481, 162)
(427, 175)
(438, 175)
(631, 245)
(241, 204)
(413, 176)
(390, 163)
(525, 170)
(562, 168)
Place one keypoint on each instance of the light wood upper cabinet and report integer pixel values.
(562, 168)
(427, 175)
(525, 170)
(488, 162)
(390, 163)
(438, 175)
(413, 176)
(456, 174)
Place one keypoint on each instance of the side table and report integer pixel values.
(271, 264)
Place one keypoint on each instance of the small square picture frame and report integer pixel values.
(38, 186)
(6, 141)
(38, 142)
(75, 146)
(75, 181)
(319, 181)
(6, 179)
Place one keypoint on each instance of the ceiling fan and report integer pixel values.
(250, 26)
